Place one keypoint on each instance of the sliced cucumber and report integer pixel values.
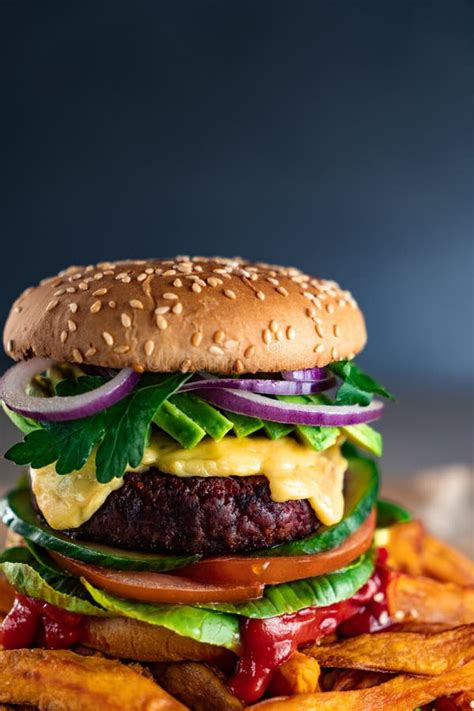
(211, 420)
(18, 513)
(244, 425)
(389, 512)
(178, 425)
(360, 495)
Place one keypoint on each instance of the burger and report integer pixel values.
(197, 524)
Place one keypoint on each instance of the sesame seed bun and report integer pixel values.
(215, 314)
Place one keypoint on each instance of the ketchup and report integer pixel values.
(34, 622)
(268, 643)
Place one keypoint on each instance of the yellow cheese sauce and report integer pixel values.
(293, 470)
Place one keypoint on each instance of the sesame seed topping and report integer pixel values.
(126, 320)
(121, 349)
(72, 325)
(334, 353)
(149, 270)
(337, 330)
(170, 296)
(10, 345)
(219, 337)
(177, 283)
(196, 288)
(290, 333)
(308, 295)
(59, 292)
(330, 308)
(311, 312)
(73, 307)
(230, 294)
(216, 350)
(239, 366)
(214, 281)
(90, 352)
(274, 326)
(71, 290)
(319, 330)
(52, 304)
(281, 290)
(169, 272)
(149, 348)
(63, 336)
(260, 295)
(142, 276)
(100, 292)
(249, 351)
(161, 322)
(98, 276)
(273, 281)
(267, 336)
(319, 348)
(196, 338)
(96, 307)
(342, 303)
(162, 309)
(83, 286)
(108, 338)
(77, 355)
(177, 308)
(135, 304)
(185, 365)
(126, 280)
(120, 276)
(112, 304)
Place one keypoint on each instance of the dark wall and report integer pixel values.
(335, 135)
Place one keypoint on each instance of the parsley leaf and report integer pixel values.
(358, 388)
(37, 449)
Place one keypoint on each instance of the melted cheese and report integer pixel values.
(293, 470)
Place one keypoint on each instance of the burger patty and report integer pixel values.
(158, 512)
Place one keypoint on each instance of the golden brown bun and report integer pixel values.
(220, 315)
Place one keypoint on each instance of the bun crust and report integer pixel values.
(214, 314)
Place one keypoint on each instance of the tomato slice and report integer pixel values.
(241, 570)
(158, 587)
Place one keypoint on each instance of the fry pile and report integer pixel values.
(424, 661)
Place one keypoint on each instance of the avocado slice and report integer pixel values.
(319, 438)
(276, 430)
(211, 420)
(244, 425)
(178, 425)
(18, 513)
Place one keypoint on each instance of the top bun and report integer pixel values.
(214, 314)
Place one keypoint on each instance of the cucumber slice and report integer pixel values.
(276, 430)
(360, 495)
(243, 425)
(18, 513)
(389, 512)
(178, 425)
(211, 420)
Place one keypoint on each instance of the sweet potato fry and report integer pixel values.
(402, 693)
(56, 680)
(426, 600)
(197, 686)
(421, 654)
(350, 679)
(413, 551)
(298, 675)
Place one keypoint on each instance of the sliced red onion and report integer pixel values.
(264, 408)
(264, 386)
(306, 375)
(58, 409)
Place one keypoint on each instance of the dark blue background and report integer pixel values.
(335, 135)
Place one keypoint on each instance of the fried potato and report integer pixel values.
(413, 551)
(350, 679)
(298, 675)
(430, 601)
(402, 693)
(65, 681)
(409, 652)
(197, 686)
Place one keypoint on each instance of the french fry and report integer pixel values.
(59, 680)
(402, 693)
(196, 685)
(408, 652)
(430, 601)
(298, 675)
(350, 679)
(413, 551)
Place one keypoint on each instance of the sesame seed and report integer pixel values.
(334, 353)
(63, 336)
(238, 366)
(100, 292)
(77, 355)
(342, 303)
(279, 335)
(219, 271)
(249, 351)
(219, 337)
(330, 308)
(169, 272)
(120, 276)
(170, 296)
(90, 352)
(10, 345)
(72, 325)
(112, 304)
(52, 304)
(59, 292)
(126, 280)
(135, 304)
(196, 288)
(126, 320)
(274, 326)
(290, 333)
(319, 348)
(71, 290)
(214, 281)
(177, 283)
(183, 268)
(83, 286)
(149, 270)
(267, 336)
(96, 307)
(108, 338)
(185, 365)
(121, 349)
(273, 281)
(73, 307)
(149, 348)
(281, 290)
(260, 295)
(337, 330)
(142, 276)
(162, 309)
(215, 350)
(308, 295)
(196, 338)
(230, 294)
(177, 308)
(319, 330)
(161, 322)
(98, 276)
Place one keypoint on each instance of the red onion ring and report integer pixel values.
(264, 386)
(59, 409)
(306, 375)
(263, 407)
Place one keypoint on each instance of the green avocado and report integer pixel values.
(211, 420)
(244, 425)
(178, 425)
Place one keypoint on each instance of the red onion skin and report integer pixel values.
(263, 386)
(308, 375)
